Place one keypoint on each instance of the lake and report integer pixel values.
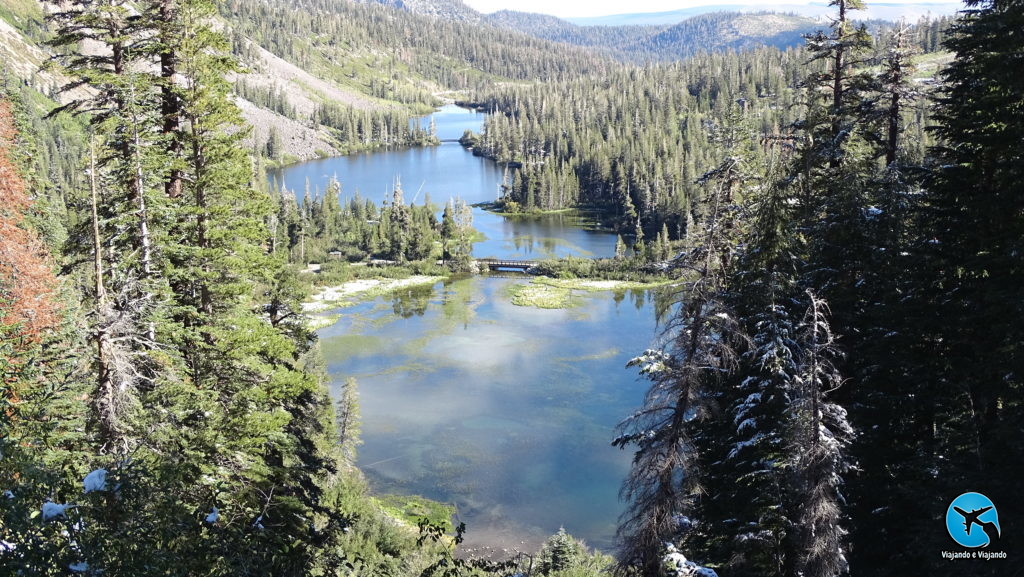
(445, 171)
(507, 412)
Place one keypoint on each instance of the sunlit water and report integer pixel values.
(505, 411)
(446, 171)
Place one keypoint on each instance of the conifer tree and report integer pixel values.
(27, 285)
(665, 482)
(751, 516)
(821, 437)
(968, 298)
(348, 420)
(122, 109)
(559, 553)
(897, 89)
(230, 393)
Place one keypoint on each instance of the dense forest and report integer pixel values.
(842, 227)
(635, 142)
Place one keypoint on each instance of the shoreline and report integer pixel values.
(539, 292)
(337, 296)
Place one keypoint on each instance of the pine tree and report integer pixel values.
(448, 229)
(263, 407)
(27, 284)
(559, 552)
(897, 88)
(273, 149)
(129, 168)
(456, 234)
(751, 515)
(400, 221)
(820, 441)
(620, 247)
(840, 52)
(969, 298)
(665, 481)
(222, 374)
(348, 420)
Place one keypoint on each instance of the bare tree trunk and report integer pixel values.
(202, 215)
(106, 399)
(139, 192)
(101, 291)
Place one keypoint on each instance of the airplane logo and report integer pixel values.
(970, 510)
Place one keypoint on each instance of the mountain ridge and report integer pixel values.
(701, 33)
(892, 11)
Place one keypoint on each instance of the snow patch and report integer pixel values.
(81, 567)
(213, 516)
(53, 510)
(95, 481)
(676, 565)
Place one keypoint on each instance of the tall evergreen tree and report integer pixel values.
(665, 482)
(820, 440)
(972, 294)
(751, 515)
(348, 420)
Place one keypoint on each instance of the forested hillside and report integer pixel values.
(637, 142)
(841, 223)
(833, 380)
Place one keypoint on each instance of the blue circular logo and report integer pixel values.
(972, 521)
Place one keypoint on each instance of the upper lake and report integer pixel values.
(447, 171)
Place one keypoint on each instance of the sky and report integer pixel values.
(569, 8)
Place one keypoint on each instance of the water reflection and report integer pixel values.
(441, 172)
(411, 301)
(506, 411)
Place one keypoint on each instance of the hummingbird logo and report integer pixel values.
(972, 521)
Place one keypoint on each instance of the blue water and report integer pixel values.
(506, 411)
(447, 171)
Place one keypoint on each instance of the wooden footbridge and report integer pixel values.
(498, 264)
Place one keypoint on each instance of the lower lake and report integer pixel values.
(508, 412)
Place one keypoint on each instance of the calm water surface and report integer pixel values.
(505, 411)
(446, 171)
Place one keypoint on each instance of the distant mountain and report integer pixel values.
(613, 38)
(732, 31)
(533, 23)
(655, 18)
(891, 11)
(701, 33)
(447, 9)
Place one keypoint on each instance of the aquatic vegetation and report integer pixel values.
(541, 296)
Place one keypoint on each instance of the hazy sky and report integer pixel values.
(564, 8)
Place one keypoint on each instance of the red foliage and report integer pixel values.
(27, 283)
